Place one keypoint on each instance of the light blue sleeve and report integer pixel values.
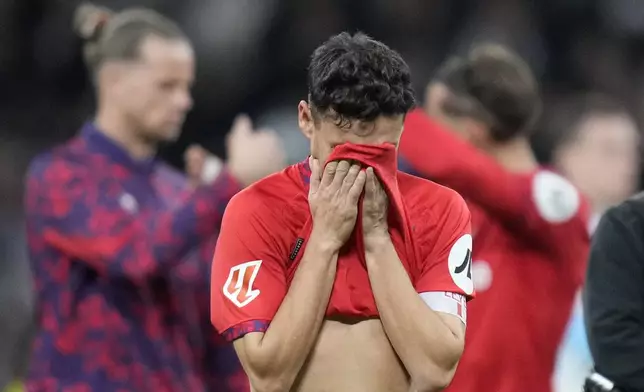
(574, 361)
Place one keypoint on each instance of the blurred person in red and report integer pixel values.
(341, 273)
(115, 235)
(528, 223)
(594, 141)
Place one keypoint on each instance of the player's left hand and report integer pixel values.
(374, 208)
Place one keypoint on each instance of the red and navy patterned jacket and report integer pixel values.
(121, 255)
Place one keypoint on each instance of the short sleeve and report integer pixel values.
(248, 280)
(447, 266)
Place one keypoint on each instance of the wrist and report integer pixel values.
(323, 243)
(375, 242)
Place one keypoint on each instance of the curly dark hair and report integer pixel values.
(354, 77)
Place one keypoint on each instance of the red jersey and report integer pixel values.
(260, 245)
(530, 248)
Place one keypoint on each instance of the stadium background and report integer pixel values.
(252, 56)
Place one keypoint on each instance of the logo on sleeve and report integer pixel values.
(460, 264)
(239, 285)
(556, 198)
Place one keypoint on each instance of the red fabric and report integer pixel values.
(265, 221)
(382, 158)
(437, 154)
(528, 266)
(383, 161)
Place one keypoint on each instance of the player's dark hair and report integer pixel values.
(565, 118)
(495, 86)
(109, 35)
(354, 77)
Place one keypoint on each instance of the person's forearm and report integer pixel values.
(290, 337)
(481, 180)
(425, 344)
(135, 247)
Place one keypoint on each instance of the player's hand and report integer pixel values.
(374, 209)
(202, 167)
(333, 198)
(253, 154)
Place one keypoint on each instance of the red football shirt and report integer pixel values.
(258, 247)
(530, 247)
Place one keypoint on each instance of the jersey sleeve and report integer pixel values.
(543, 206)
(91, 220)
(248, 271)
(446, 265)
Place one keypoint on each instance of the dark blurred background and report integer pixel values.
(253, 53)
(253, 56)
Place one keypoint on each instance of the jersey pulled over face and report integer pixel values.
(261, 242)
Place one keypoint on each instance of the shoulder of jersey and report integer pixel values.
(273, 192)
(68, 155)
(556, 199)
(420, 191)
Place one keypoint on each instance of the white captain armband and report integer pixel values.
(446, 302)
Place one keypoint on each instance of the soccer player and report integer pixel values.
(112, 231)
(594, 142)
(318, 296)
(529, 224)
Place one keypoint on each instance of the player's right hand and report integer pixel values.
(334, 193)
(253, 154)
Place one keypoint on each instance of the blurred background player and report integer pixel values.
(594, 141)
(528, 223)
(119, 241)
